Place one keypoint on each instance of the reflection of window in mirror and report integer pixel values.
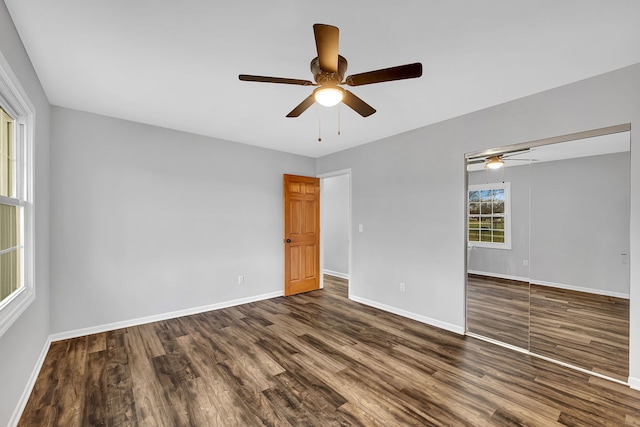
(489, 213)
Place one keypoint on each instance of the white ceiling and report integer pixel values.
(586, 147)
(175, 64)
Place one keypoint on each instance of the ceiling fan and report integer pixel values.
(328, 70)
(496, 161)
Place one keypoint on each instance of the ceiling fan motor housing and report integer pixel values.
(323, 77)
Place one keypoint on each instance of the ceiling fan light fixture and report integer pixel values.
(495, 162)
(328, 96)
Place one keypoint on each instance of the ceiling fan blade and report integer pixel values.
(401, 72)
(514, 153)
(357, 104)
(475, 161)
(249, 78)
(302, 107)
(327, 46)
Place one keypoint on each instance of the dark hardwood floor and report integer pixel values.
(585, 330)
(315, 359)
(498, 309)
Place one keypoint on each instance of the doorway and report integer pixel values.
(335, 228)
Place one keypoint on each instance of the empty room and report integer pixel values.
(342, 213)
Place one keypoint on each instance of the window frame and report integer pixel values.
(17, 104)
(506, 186)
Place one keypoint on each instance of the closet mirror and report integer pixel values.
(498, 248)
(548, 245)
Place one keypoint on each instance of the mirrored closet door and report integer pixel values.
(498, 248)
(549, 272)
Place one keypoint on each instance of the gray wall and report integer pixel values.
(23, 343)
(148, 220)
(580, 245)
(335, 224)
(409, 193)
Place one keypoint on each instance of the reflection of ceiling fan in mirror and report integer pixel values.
(496, 161)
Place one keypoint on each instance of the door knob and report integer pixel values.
(288, 240)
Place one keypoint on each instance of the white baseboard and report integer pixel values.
(634, 383)
(552, 284)
(579, 289)
(157, 317)
(336, 274)
(24, 398)
(418, 317)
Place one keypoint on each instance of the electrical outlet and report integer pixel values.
(240, 280)
(402, 287)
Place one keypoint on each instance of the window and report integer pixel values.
(10, 212)
(489, 213)
(17, 289)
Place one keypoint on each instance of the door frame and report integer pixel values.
(322, 177)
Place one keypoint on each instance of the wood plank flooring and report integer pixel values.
(585, 330)
(315, 359)
(498, 309)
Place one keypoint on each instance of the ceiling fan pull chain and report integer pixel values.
(319, 124)
(338, 119)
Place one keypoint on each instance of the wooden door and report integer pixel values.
(301, 234)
